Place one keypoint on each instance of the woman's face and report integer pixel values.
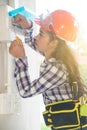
(46, 43)
(42, 40)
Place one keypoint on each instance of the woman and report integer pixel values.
(58, 72)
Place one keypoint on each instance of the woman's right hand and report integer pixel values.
(22, 21)
(16, 49)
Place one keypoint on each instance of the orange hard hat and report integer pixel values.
(61, 22)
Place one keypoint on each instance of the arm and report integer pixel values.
(50, 77)
(28, 27)
(29, 38)
(15, 49)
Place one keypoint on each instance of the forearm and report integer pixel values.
(22, 77)
(29, 38)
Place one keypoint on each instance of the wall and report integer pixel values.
(27, 116)
(2, 2)
(30, 4)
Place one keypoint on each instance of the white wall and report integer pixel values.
(28, 115)
(30, 4)
(2, 2)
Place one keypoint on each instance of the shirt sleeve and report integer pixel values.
(29, 38)
(50, 76)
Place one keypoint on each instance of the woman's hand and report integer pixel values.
(22, 21)
(16, 49)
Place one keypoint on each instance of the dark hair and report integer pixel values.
(64, 53)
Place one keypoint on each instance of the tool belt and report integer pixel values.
(68, 114)
(63, 114)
